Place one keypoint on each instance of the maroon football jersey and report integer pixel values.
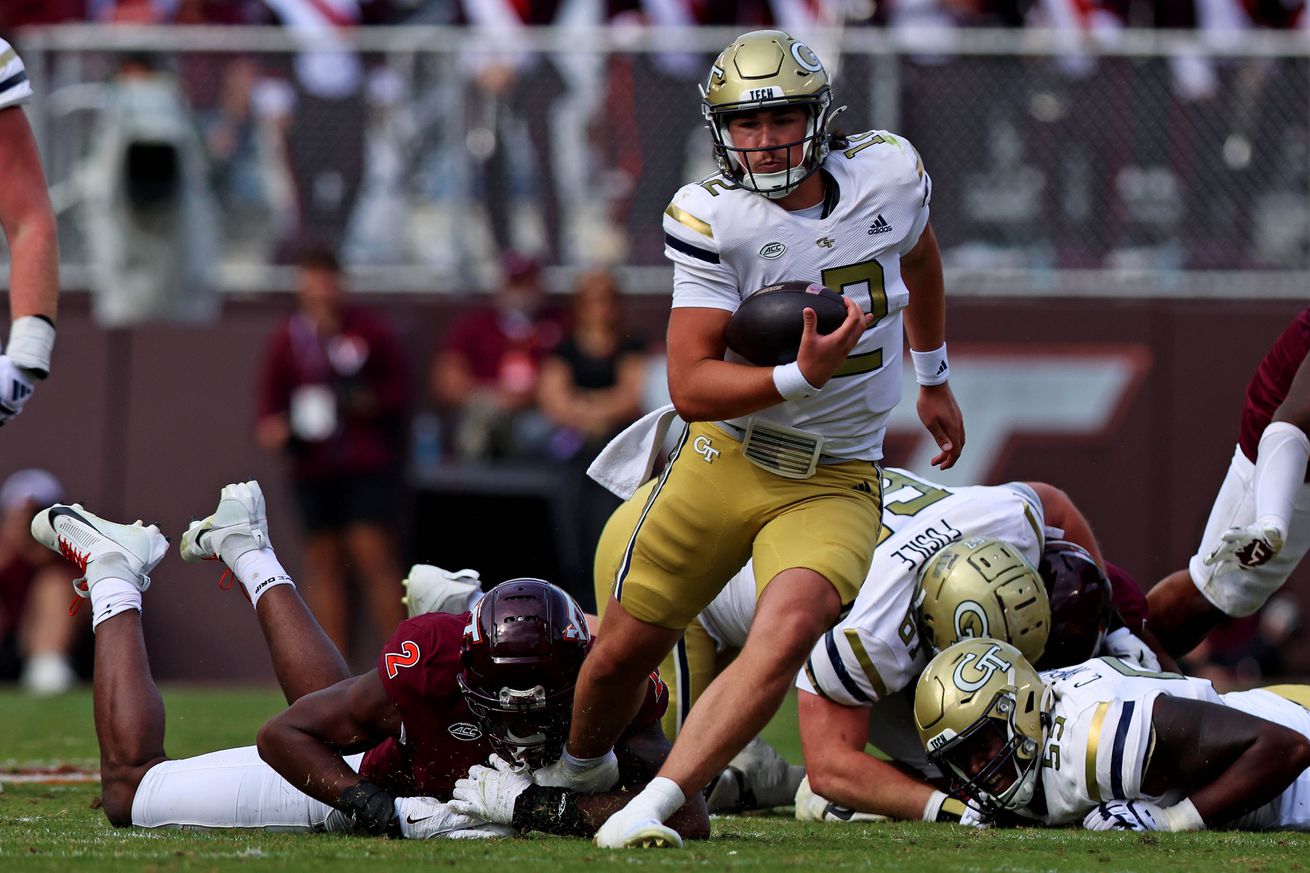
(1129, 600)
(440, 740)
(1271, 381)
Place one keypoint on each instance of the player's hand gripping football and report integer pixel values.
(1249, 546)
(821, 354)
(490, 792)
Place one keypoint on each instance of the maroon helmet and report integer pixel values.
(1082, 604)
(522, 650)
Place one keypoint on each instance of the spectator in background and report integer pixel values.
(35, 586)
(591, 388)
(513, 86)
(319, 108)
(485, 375)
(334, 397)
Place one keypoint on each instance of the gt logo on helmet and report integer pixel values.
(806, 57)
(970, 620)
(987, 664)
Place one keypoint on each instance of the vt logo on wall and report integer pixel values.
(1012, 391)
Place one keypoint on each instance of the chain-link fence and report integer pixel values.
(1159, 162)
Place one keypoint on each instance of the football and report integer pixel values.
(766, 328)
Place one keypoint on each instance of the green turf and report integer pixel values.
(56, 827)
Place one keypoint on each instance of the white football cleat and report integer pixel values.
(428, 588)
(238, 525)
(84, 537)
(642, 834)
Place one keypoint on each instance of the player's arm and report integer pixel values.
(1226, 761)
(28, 221)
(705, 387)
(305, 744)
(1280, 469)
(833, 738)
(925, 325)
(1059, 511)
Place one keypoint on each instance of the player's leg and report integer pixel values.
(794, 611)
(304, 658)
(129, 713)
(325, 585)
(659, 578)
(1186, 605)
(46, 634)
(810, 559)
(373, 558)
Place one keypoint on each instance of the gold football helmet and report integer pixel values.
(766, 69)
(981, 711)
(982, 587)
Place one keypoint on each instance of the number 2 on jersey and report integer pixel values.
(863, 283)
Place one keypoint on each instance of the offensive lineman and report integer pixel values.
(1259, 526)
(28, 223)
(386, 752)
(1113, 746)
(778, 465)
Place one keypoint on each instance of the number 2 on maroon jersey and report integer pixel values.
(406, 657)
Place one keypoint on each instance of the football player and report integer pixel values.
(778, 464)
(397, 751)
(1113, 746)
(858, 680)
(28, 223)
(1259, 526)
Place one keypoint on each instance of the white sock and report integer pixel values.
(111, 595)
(259, 571)
(581, 765)
(661, 798)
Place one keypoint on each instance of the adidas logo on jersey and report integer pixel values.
(863, 487)
(880, 225)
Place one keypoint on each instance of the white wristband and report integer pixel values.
(931, 368)
(791, 382)
(934, 805)
(31, 340)
(1182, 816)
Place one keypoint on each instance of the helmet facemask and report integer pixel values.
(1015, 753)
(733, 160)
(524, 727)
(521, 654)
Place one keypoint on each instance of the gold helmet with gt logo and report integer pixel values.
(768, 69)
(981, 711)
(981, 587)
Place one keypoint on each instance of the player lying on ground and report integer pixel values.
(386, 752)
(1259, 526)
(1112, 746)
(857, 686)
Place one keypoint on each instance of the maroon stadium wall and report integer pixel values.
(151, 422)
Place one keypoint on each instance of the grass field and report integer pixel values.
(57, 827)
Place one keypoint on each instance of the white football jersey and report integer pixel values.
(875, 650)
(727, 242)
(14, 86)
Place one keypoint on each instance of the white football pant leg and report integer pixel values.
(233, 788)
(1235, 590)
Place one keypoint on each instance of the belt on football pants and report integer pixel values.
(783, 451)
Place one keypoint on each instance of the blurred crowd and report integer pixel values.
(441, 161)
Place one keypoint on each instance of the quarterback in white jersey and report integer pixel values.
(1114, 746)
(28, 223)
(778, 464)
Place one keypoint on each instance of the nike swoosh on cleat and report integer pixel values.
(409, 819)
